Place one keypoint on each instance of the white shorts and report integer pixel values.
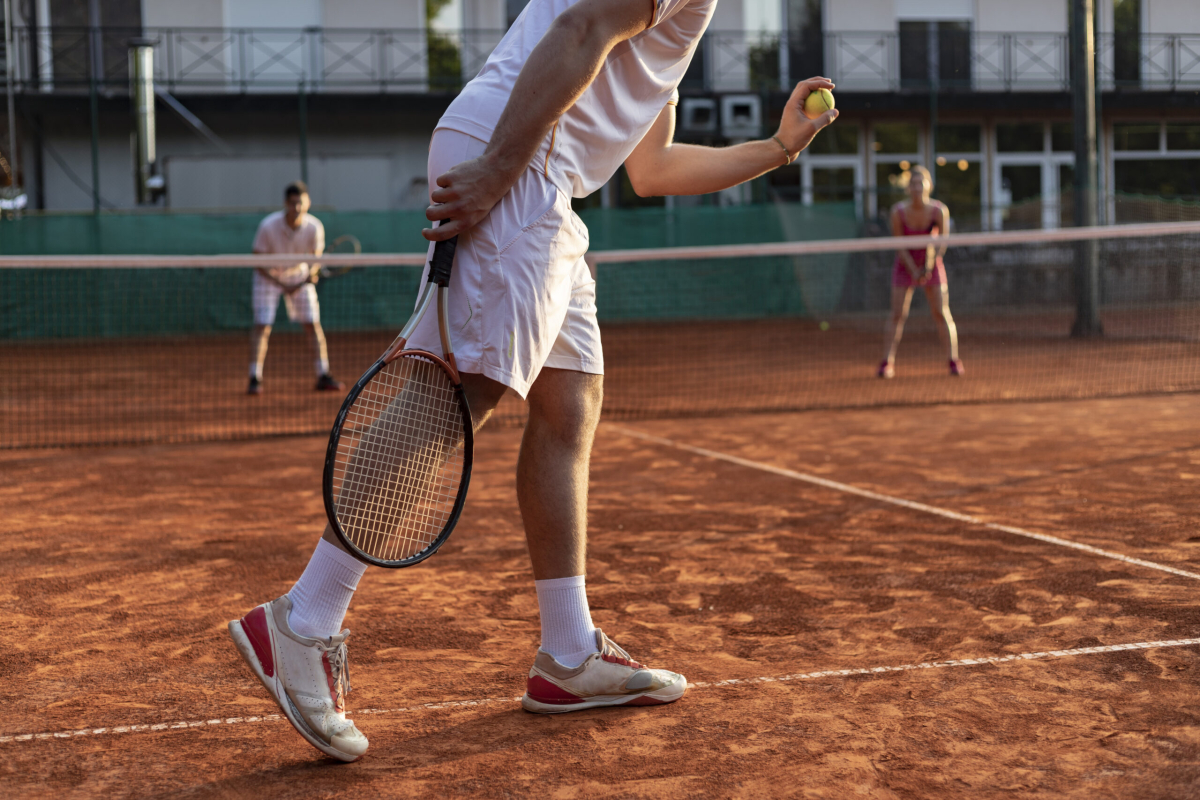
(301, 304)
(521, 295)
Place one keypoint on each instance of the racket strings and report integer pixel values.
(399, 460)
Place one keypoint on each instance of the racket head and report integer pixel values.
(399, 460)
(342, 245)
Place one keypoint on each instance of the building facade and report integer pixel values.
(254, 93)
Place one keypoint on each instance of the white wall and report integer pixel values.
(183, 13)
(1170, 16)
(272, 13)
(284, 13)
(1022, 16)
(860, 15)
(935, 9)
(374, 14)
(484, 14)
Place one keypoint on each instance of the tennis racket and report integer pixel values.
(345, 244)
(399, 457)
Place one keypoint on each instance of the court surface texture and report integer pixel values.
(977, 600)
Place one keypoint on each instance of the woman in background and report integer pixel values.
(919, 216)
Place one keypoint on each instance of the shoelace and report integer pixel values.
(611, 648)
(339, 663)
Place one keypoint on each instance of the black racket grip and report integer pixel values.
(442, 261)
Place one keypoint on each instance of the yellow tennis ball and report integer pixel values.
(818, 103)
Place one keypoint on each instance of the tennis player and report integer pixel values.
(572, 91)
(292, 230)
(919, 216)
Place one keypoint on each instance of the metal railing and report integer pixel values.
(1007, 62)
(282, 60)
(218, 60)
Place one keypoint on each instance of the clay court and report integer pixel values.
(1005, 607)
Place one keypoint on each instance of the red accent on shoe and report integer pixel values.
(544, 691)
(646, 701)
(956, 366)
(618, 660)
(334, 689)
(255, 626)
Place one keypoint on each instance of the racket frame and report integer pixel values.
(437, 286)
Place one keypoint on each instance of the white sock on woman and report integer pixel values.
(567, 630)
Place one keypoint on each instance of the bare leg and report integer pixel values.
(894, 328)
(483, 394)
(259, 337)
(939, 305)
(552, 471)
(316, 340)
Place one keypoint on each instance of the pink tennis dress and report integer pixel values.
(900, 275)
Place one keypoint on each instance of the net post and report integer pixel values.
(1083, 89)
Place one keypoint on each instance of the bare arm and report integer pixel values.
(905, 257)
(943, 227)
(561, 67)
(659, 166)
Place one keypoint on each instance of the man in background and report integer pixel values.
(292, 230)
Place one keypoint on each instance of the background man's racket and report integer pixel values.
(399, 457)
(345, 244)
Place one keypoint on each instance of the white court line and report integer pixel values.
(796, 676)
(898, 501)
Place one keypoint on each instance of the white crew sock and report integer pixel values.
(322, 366)
(567, 630)
(256, 370)
(322, 595)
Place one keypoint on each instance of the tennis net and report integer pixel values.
(126, 349)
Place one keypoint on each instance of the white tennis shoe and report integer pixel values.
(607, 678)
(307, 677)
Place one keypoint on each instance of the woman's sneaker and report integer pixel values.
(956, 367)
(309, 678)
(607, 678)
(886, 370)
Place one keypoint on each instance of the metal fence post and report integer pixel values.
(1083, 86)
(303, 111)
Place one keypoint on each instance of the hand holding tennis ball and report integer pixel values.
(808, 110)
(817, 103)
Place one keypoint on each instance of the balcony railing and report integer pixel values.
(219, 60)
(1007, 62)
(236, 60)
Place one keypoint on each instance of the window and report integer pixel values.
(891, 184)
(1021, 194)
(1024, 137)
(896, 137)
(1164, 178)
(837, 139)
(833, 185)
(783, 184)
(806, 39)
(514, 9)
(1062, 137)
(1183, 136)
(1127, 36)
(958, 138)
(1135, 136)
(958, 184)
(940, 50)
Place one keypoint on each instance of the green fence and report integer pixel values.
(100, 303)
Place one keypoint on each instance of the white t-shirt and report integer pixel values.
(595, 136)
(276, 236)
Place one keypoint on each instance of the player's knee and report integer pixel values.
(572, 411)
